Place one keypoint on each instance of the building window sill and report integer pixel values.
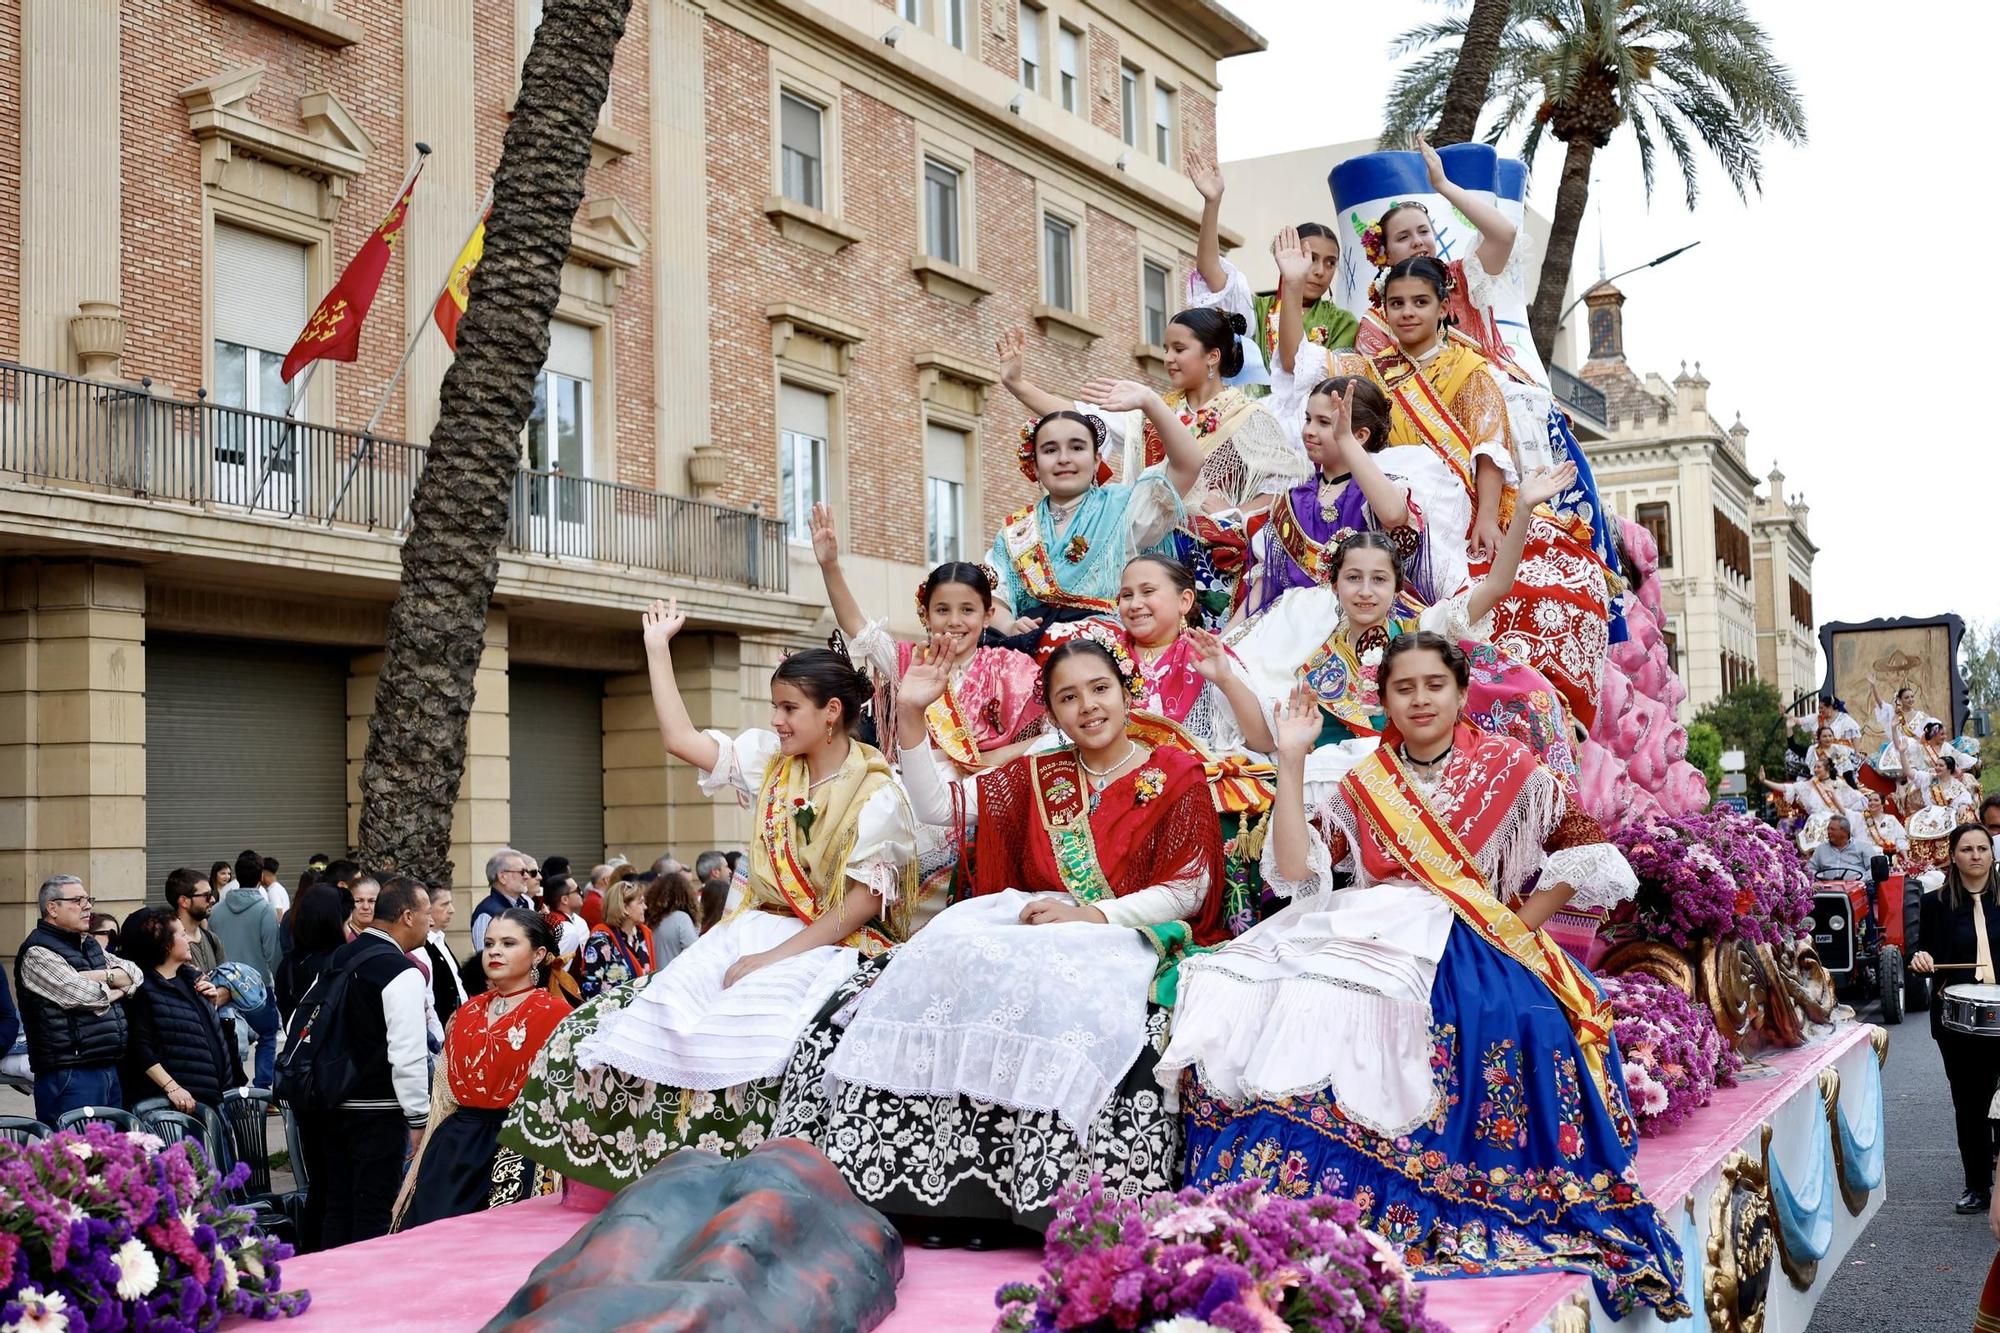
(303, 17)
(809, 226)
(1152, 359)
(959, 285)
(608, 144)
(1066, 326)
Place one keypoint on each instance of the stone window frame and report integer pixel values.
(824, 230)
(962, 282)
(790, 325)
(1159, 250)
(1072, 327)
(320, 20)
(952, 392)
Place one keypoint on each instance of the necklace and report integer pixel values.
(1431, 763)
(1330, 490)
(1059, 513)
(1101, 778)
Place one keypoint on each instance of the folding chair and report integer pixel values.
(22, 1129)
(114, 1116)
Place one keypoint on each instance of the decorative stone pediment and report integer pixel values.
(954, 383)
(810, 339)
(245, 155)
(605, 236)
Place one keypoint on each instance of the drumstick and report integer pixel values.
(1940, 967)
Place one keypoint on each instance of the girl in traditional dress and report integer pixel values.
(1820, 794)
(1331, 637)
(692, 1056)
(1416, 1041)
(1217, 282)
(993, 708)
(493, 1037)
(1184, 672)
(1359, 484)
(1060, 558)
(1008, 1048)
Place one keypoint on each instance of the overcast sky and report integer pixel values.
(1784, 302)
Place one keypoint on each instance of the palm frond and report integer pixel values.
(1416, 97)
(1428, 34)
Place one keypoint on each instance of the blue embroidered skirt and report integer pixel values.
(1523, 1169)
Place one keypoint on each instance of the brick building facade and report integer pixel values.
(805, 224)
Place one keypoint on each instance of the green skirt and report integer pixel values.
(607, 1128)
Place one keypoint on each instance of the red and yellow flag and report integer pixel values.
(458, 290)
(334, 331)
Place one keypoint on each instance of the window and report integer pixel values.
(941, 227)
(259, 307)
(801, 169)
(912, 11)
(1163, 124)
(944, 492)
(1069, 68)
(1128, 105)
(1657, 519)
(804, 417)
(557, 438)
(1031, 48)
(1153, 301)
(1058, 262)
(1672, 641)
(951, 19)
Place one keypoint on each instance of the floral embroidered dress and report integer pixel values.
(1295, 547)
(1170, 684)
(988, 1062)
(461, 1167)
(675, 1059)
(1409, 1043)
(1068, 568)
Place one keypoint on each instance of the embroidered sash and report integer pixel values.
(1211, 426)
(1029, 555)
(1056, 778)
(950, 730)
(1405, 827)
(1425, 417)
(1314, 557)
(786, 859)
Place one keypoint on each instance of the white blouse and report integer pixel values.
(885, 838)
(930, 796)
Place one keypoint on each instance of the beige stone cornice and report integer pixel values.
(334, 149)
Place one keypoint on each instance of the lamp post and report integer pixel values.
(1562, 320)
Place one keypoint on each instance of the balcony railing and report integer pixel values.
(86, 435)
(1578, 396)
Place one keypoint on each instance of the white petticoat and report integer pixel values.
(684, 1030)
(1034, 1018)
(1332, 991)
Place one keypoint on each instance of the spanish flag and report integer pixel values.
(458, 290)
(334, 331)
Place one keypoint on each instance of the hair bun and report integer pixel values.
(1238, 325)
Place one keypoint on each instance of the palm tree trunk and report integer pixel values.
(1470, 80)
(423, 698)
(1571, 197)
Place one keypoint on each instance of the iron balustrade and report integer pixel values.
(91, 436)
(1574, 393)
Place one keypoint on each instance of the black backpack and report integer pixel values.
(317, 1071)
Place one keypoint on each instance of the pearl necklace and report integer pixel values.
(1099, 779)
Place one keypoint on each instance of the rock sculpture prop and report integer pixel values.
(703, 1245)
(1635, 762)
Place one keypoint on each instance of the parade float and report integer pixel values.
(1758, 1098)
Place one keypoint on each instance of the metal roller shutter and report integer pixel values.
(556, 785)
(246, 746)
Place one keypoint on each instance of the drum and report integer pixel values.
(1971, 1008)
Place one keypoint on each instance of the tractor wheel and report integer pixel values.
(1892, 984)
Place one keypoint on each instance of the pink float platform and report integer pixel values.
(456, 1274)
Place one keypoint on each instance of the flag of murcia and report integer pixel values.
(334, 331)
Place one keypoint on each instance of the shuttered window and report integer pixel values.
(259, 289)
(556, 780)
(944, 492)
(246, 746)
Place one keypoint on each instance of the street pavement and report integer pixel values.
(1918, 1267)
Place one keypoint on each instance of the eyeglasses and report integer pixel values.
(529, 871)
(85, 901)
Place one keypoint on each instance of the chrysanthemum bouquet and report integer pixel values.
(1716, 873)
(1673, 1055)
(1232, 1259)
(103, 1230)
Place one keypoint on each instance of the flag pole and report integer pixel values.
(424, 319)
(284, 439)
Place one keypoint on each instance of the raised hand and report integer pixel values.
(1433, 165)
(1008, 351)
(1343, 422)
(660, 622)
(1298, 722)
(925, 681)
(1211, 659)
(1118, 395)
(1546, 485)
(826, 542)
(1290, 254)
(1207, 180)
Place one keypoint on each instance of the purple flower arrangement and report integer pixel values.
(103, 1230)
(1673, 1055)
(1715, 873)
(1232, 1259)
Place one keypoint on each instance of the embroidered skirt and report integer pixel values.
(1556, 618)
(606, 1127)
(1523, 1168)
(465, 1170)
(954, 1157)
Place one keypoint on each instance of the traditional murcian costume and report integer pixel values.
(488, 1047)
(1170, 684)
(1295, 546)
(1326, 324)
(987, 1063)
(1408, 1042)
(677, 1060)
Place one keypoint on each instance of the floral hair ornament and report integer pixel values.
(1106, 638)
(1099, 432)
(1374, 243)
(1378, 285)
